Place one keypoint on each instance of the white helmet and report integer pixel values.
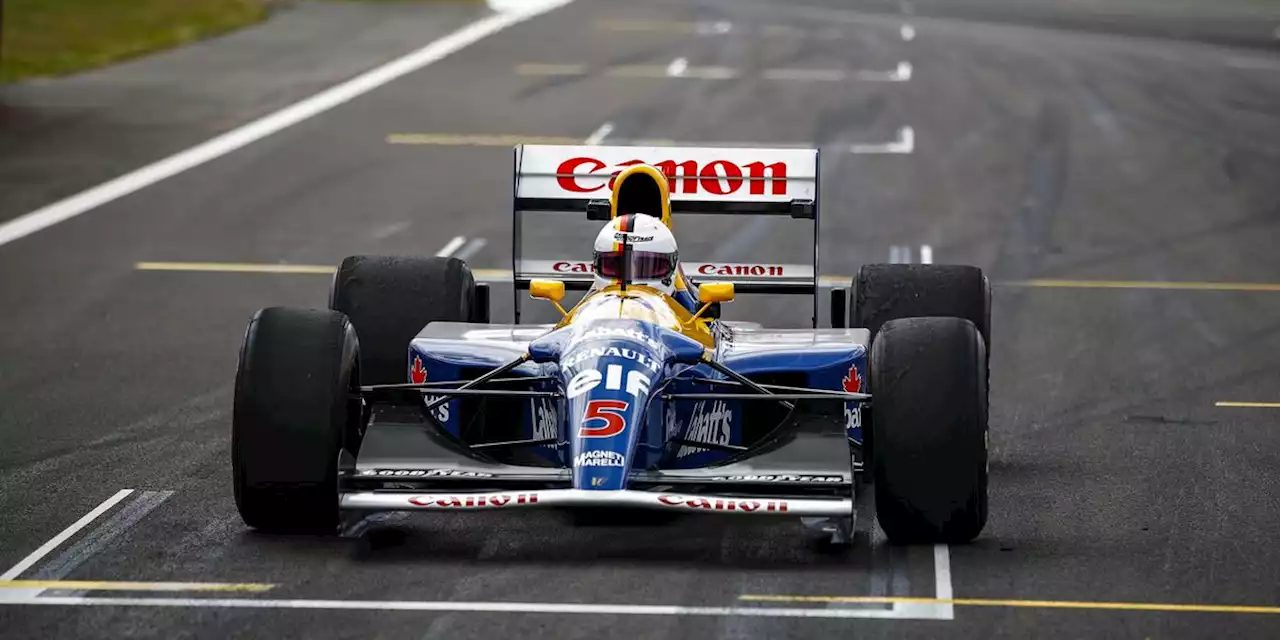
(635, 248)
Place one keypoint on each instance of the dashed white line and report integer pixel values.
(908, 32)
(600, 134)
(904, 143)
(677, 67)
(30, 560)
(473, 246)
(258, 129)
(448, 249)
(926, 254)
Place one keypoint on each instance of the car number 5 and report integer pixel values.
(610, 412)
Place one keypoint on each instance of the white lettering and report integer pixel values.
(711, 427)
(583, 382)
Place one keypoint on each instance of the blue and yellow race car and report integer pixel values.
(402, 395)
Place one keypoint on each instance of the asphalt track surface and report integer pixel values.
(1080, 170)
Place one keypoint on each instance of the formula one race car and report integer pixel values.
(403, 396)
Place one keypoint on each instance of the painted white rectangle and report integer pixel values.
(709, 174)
(478, 607)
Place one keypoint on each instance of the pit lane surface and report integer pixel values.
(1038, 154)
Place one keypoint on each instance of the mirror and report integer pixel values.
(715, 292)
(550, 290)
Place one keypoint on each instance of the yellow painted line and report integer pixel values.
(1248, 405)
(532, 69)
(235, 267)
(1023, 604)
(462, 140)
(124, 585)
(1143, 284)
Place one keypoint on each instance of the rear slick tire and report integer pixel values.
(930, 423)
(390, 299)
(296, 399)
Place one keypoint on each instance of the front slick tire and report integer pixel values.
(295, 397)
(929, 382)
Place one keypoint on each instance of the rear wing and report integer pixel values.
(577, 181)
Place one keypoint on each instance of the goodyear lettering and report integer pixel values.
(421, 473)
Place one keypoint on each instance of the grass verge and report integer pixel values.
(56, 37)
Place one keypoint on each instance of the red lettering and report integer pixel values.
(687, 169)
(778, 177)
(614, 176)
(499, 501)
(566, 174)
(706, 269)
(571, 267)
(421, 501)
(775, 270)
(711, 178)
(757, 270)
(749, 506)
(671, 501)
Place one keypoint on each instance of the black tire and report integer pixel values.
(294, 405)
(930, 423)
(390, 299)
(885, 292)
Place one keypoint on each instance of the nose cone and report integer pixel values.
(608, 371)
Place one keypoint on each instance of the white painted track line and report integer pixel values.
(473, 246)
(926, 254)
(258, 129)
(677, 67)
(453, 245)
(29, 561)
(600, 134)
(942, 580)
(482, 607)
(904, 144)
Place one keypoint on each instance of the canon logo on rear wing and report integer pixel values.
(706, 269)
(584, 174)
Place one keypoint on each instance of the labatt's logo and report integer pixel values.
(717, 177)
(418, 374)
(711, 427)
(852, 383)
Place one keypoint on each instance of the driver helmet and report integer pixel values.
(636, 248)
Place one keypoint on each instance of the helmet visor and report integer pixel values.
(635, 265)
